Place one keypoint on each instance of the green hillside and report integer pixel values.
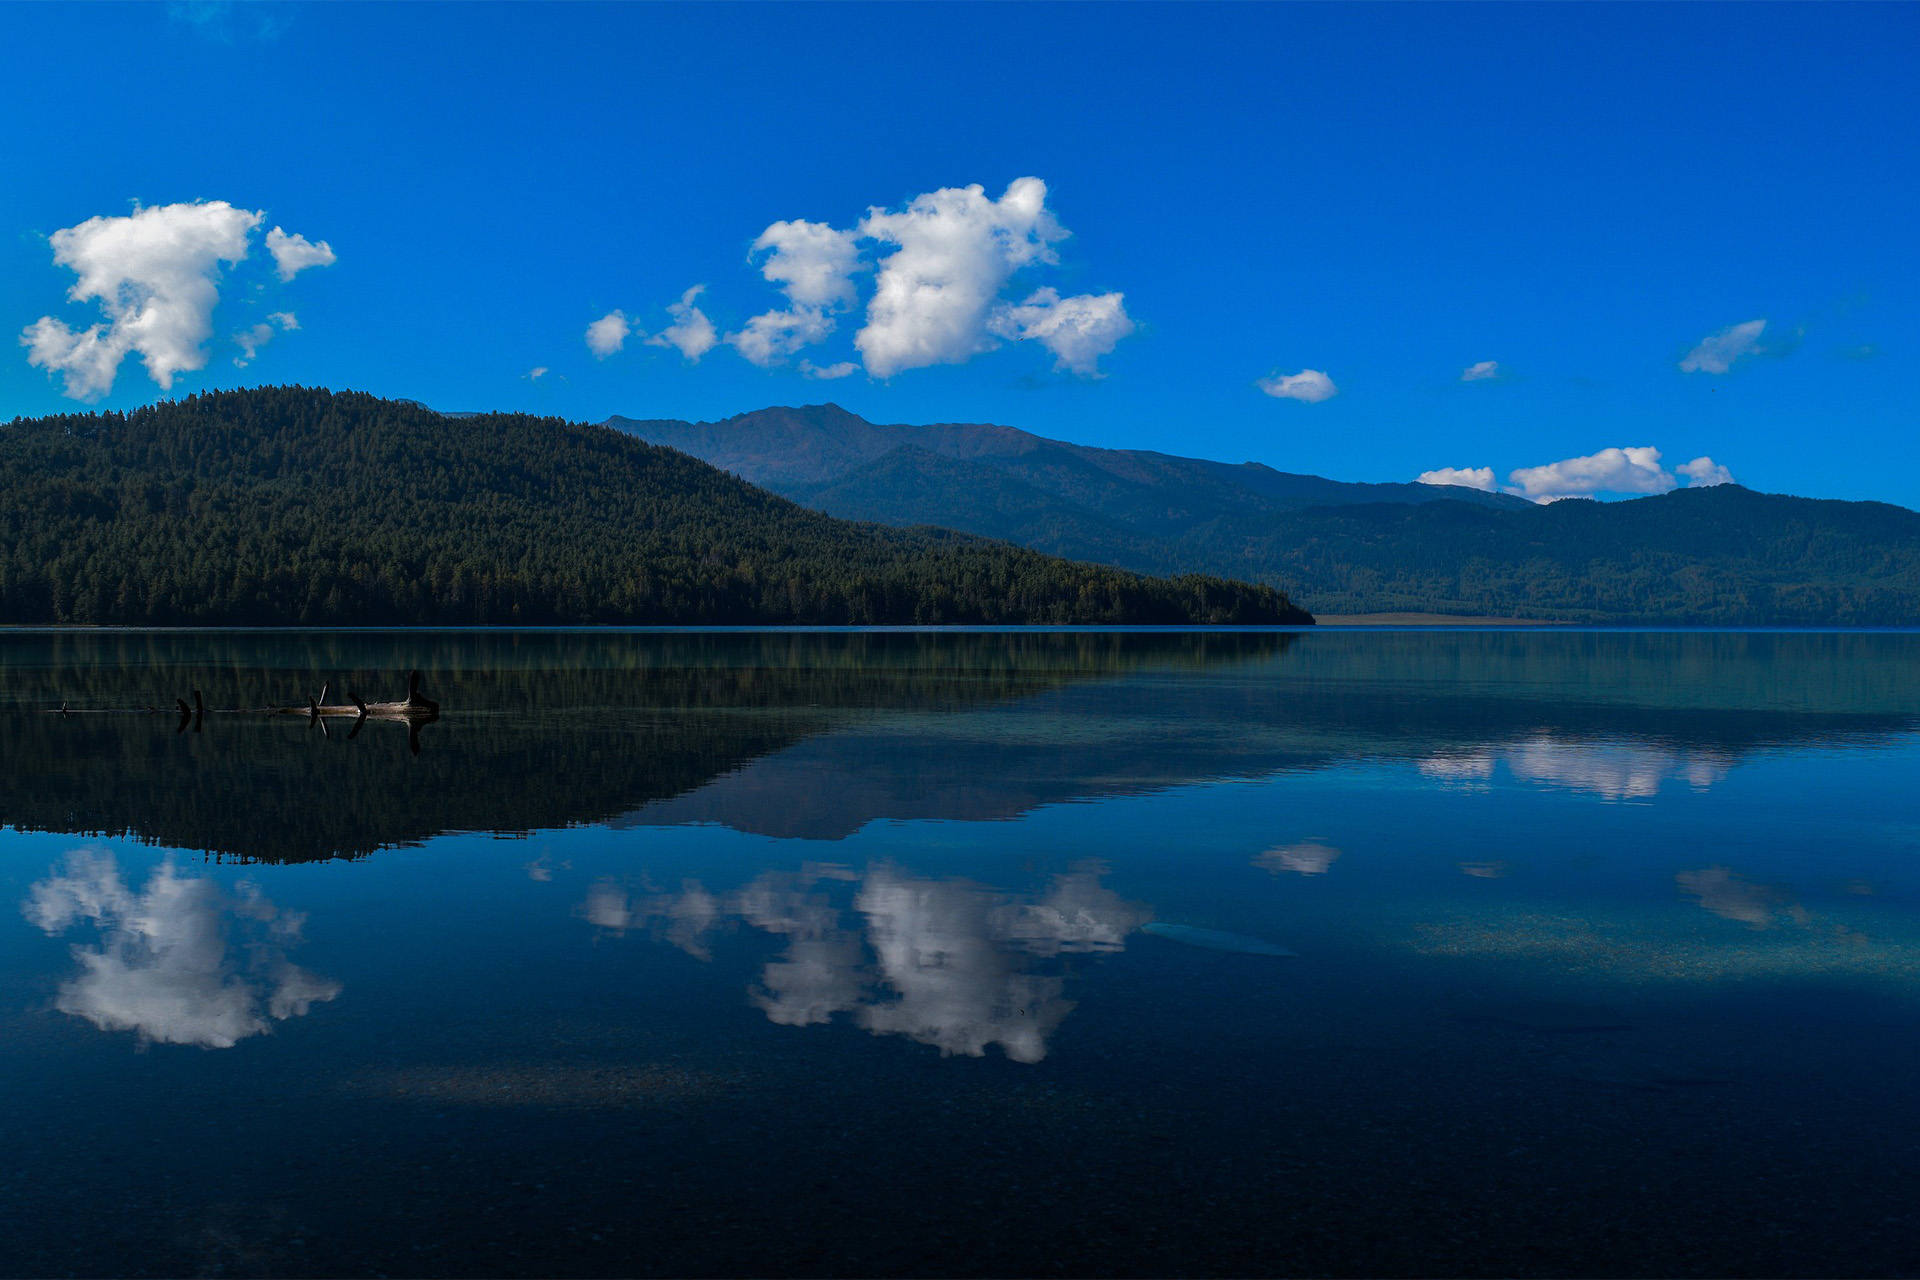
(296, 506)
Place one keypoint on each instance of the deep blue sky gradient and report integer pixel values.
(1388, 193)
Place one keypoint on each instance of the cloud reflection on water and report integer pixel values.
(180, 961)
(947, 963)
(1306, 858)
(1610, 769)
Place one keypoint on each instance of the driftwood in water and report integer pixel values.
(413, 707)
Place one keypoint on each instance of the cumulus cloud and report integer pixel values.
(691, 333)
(536, 373)
(1704, 473)
(944, 260)
(770, 338)
(814, 265)
(955, 250)
(180, 961)
(1480, 372)
(1465, 477)
(155, 275)
(1634, 469)
(1308, 385)
(293, 254)
(1718, 352)
(1077, 330)
(608, 334)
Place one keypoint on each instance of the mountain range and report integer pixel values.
(1712, 556)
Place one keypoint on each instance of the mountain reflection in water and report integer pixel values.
(816, 735)
(947, 963)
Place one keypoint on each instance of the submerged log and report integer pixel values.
(414, 707)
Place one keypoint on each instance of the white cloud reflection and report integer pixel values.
(1307, 858)
(947, 963)
(180, 961)
(1612, 770)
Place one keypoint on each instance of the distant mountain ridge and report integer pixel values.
(822, 450)
(1720, 556)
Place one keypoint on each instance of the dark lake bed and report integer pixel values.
(731, 953)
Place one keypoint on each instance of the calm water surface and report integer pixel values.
(827, 954)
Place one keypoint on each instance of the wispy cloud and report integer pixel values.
(1309, 385)
(250, 340)
(1484, 371)
(1465, 477)
(1719, 352)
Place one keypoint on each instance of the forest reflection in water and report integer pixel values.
(805, 734)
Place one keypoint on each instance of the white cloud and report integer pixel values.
(1717, 354)
(814, 266)
(812, 263)
(945, 258)
(1077, 330)
(250, 340)
(154, 274)
(1629, 470)
(294, 254)
(1704, 473)
(1309, 385)
(956, 250)
(691, 333)
(536, 373)
(608, 334)
(1465, 477)
(1480, 372)
(768, 339)
(180, 961)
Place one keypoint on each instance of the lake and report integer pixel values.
(955, 953)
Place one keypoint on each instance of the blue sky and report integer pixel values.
(1364, 200)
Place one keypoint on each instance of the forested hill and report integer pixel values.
(1724, 556)
(296, 506)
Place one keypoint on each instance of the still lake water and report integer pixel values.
(737, 953)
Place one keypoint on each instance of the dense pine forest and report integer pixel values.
(299, 506)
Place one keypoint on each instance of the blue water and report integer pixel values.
(800, 954)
